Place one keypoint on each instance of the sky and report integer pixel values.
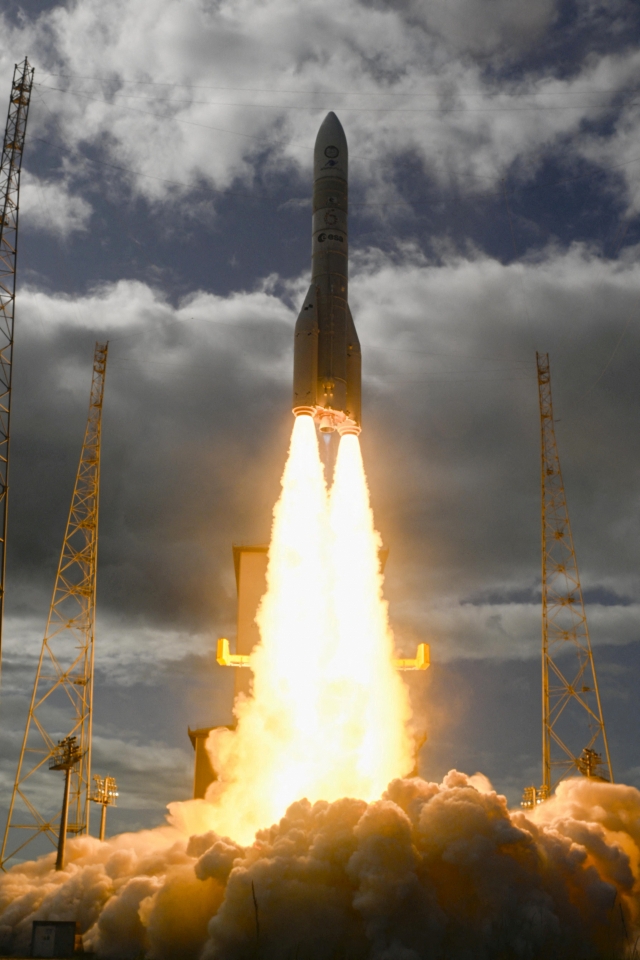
(165, 206)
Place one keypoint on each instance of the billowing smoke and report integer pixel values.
(433, 871)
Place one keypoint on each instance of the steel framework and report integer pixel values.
(574, 739)
(10, 167)
(61, 703)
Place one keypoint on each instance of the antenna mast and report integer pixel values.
(63, 688)
(574, 739)
(10, 167)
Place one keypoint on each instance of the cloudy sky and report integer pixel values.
(495, 201)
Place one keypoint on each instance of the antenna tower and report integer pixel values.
(61, 704)
(574, 739)
(10, 167)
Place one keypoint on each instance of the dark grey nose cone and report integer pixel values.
(331, 154)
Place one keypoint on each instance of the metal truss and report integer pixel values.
(10, 167)
(574, 739)
(61, 704)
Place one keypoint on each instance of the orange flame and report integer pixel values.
(328, 711)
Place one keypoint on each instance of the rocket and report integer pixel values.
(326, 356)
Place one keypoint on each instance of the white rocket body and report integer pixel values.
(327, 359)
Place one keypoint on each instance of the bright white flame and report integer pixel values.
(328, 712)
(374, 706)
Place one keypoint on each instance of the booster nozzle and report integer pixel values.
(348, 427)
(326, 424)
(328, 420)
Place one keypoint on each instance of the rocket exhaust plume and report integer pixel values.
(328, 712)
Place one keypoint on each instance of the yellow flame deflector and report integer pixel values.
(226, 659)
(421, 661)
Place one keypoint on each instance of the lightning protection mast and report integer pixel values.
(10, 168)
(574, 739)
(62, 700)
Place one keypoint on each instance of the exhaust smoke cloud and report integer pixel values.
(427, 871)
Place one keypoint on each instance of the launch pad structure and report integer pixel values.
(250, 565)
(251, 572)
(62, 700)
(10, 171)
(574, 737)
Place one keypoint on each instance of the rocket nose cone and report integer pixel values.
(331, 154)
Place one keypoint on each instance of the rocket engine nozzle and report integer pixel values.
(328, 420)
(304, 412)
(326, 424)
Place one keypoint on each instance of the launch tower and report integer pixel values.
(62, 699)
(10, 169)
(574, 738)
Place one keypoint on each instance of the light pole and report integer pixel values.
(65, 757)
(106, 793)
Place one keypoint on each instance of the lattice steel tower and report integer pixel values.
(10, 167)
(574, 739)
(61, 704)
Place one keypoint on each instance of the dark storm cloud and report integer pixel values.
(179, 440)
(465, 26)
(196, 423)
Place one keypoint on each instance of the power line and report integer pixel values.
(608, 363)
(492, 178)
(339, 93)
(343, 108)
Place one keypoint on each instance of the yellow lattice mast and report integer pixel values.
(574, 739)
(10, 170)
(61, 704)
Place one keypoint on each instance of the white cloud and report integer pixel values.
(245, 79)
(48, 206)
(121, 305)
(507, 631)
(127, 654)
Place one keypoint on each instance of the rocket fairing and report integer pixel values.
(327, 358)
